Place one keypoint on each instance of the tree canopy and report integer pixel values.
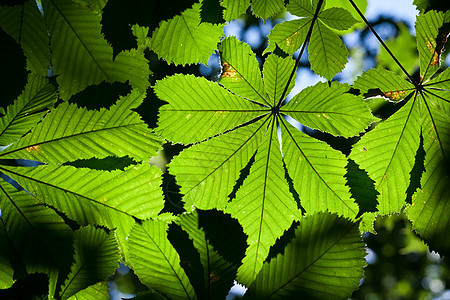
(96, 91)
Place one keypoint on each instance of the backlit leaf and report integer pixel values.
(76, 33)
(28, 109)
(26, 25)
(322, 242)
(267, 8)
(96, 257)
(184, 40)
(156, 262)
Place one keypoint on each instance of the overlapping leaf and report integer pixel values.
(37, 234)
(96, 256)
(234, 8)
(265, 208)
(215, 275)
(38, 96)
(85, 134)
(388, 152)
(6, 270)
(322, 242)
(75, 32)
(87, 196)
(267, 8)
(26, 25)
(156, 262)
(98, 291)
(184, 40)
(327, 52)
(246, 134)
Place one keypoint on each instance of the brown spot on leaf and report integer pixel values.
(395, 95)
(228, 70)
(213, 277)
(33, 148)
(431, 45)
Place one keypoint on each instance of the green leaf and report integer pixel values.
(323, 242)
(267, 8)
(26, 25)
(327, 52)
(431, 202)
(6, 269)
(387, 154)
(156, 262)
(184, 40)
(241, 73)
(217, 163)
(94, 197)
(330, 109)
(302, 8)
(277, 71)
(317, 172)
(427, 29)
(390, 84)
(218, 274)
(337, 18)
(36, 234)
(438, 92)
(96, 257)
(27, 110)
(98, 291)
(265, 208)
(288, 36)
(234, 8)
(261, 200)
(362, 188)
(118, 131)
(75, 32)
(345, 4)
(200, 108)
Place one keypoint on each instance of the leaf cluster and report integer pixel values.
(258, 199)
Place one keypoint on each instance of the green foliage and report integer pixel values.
(275, 206)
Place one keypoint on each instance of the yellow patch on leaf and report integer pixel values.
(431, 45)
(228, 70)
(395, 95)
(33, 148)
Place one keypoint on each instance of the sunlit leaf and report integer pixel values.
(96, 256)
(85, 134)
(184, 40)
(98, 291)
(26, 25)
(330, 109)
(76, 33)
(218, 274)
(327, 52)
(289, 35)
(427, 29)
(265, 208)
(337, 18)
(322, 242)
(391, 85)
(241, 72)
(156, 262)
(234, 8)
(432, 199)
(267, 8)
(28, 109)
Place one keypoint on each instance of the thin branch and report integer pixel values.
(297, 62)
(382, 43)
